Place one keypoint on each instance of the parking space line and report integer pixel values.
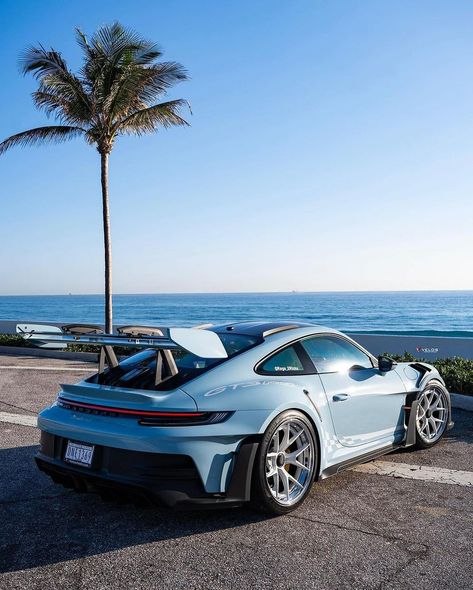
(26, 368)
(19, 419)
(419, 472)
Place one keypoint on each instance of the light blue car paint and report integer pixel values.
(370, 418)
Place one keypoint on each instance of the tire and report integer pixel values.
(285, 465)
(433, 414)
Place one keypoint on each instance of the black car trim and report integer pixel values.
(343, 465)
(135, 475)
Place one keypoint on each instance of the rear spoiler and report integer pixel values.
(202, 343)
(197, 341)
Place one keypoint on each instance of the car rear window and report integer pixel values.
(286, 361)
(138, 371)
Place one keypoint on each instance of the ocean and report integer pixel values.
(441, 313)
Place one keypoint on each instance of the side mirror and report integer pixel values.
(385, 364)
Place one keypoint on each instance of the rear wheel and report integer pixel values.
(286, 463)
(432, 415)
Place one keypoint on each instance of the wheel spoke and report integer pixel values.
(270, 464)
(276, 482)
(294, 481)
(285, 439)
(434, 404)
(304, 448)
(433, 425)
(291, 458)
(294, 438)
(283, 475)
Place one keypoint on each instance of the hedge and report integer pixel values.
(456, 371)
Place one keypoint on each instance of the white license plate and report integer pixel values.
(79, 454)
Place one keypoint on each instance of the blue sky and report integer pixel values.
(331, 148)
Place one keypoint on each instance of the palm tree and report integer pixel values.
(114, 93)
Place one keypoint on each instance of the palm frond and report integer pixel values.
(139, 87)
(115, 41)
(40, 62)
(157, 79)
(49, 103)
(55, 77)
(82, 41)
(39, 135)
(63, 108)
(165, 114)
(111, 52)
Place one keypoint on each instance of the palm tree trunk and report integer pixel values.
(107, 242)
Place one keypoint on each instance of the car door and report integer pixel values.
(365, 404)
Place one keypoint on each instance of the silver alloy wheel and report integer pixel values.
(290, 461)
(432, 414)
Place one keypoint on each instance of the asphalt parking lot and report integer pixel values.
(356, 530)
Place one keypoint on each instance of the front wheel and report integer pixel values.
(432, 414)
(286, 463)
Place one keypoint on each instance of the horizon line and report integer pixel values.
(287, 292)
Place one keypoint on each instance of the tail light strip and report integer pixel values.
(138, 413)
(147, 417)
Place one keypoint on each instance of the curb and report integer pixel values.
(462, 402)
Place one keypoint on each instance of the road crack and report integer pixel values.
(414, 550)
(19, 408)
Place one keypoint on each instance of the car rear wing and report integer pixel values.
(202, 343)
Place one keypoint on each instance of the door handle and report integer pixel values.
(340, 397)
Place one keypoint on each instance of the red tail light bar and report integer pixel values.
(137, 413)
(147, 417)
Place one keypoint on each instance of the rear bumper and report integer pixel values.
(157, 478)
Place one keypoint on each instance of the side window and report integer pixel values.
(331, 354)
(285, 361)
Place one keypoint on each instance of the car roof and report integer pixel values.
(262, 329)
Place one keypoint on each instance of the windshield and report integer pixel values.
(139, 371)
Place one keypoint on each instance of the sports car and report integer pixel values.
(224, 415)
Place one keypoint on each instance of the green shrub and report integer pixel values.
(12, 340)
(456, 371)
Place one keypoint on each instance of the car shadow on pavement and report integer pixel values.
(42, 523)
